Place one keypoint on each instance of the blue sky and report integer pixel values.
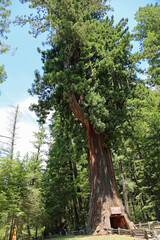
(20, 67)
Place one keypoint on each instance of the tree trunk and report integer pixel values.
(75, 204)
(157, 213)
(11, 228)
(79, 198)
(28, 227)
(14, 233)
(13, 130)
(103, 187)
(133, 205)
(141, 199)
(124, 188)
(104, 192)
(36, 233)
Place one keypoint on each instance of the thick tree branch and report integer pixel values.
(74, 106)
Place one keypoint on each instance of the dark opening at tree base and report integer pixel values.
(118, 222)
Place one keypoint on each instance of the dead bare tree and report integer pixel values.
(8, 142)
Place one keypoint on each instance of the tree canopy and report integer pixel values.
(91, 61)
(4, 28)
(147, 32)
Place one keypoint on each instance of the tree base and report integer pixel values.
(113, 222)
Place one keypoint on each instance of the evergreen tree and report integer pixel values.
(35, 208)
(138, 152)
(147, 32)
(66, 186)
(13, 190)
(21, 195)
(89, 73)
(4, 27)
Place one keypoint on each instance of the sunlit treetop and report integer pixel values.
(53, 15)
(147, 32)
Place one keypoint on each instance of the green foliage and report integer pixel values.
(2, 74)
(89, 57)
(4, 26)
(21, 201)
(139, 152)
(13, 190)
(147, 32)
(100, 74)
(4, 19)
(62, 15)
(66, 185)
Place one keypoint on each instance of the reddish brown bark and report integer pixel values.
(14, 233)
(104, 191)
(103, 187)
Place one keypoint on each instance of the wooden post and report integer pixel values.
(145, 234)
(119, 231)
(140, 225)
(149, 226)
(14, 233)
(132, 232)
(154, 234)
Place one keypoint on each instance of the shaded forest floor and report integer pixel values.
(104, 237)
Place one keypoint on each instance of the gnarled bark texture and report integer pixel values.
(103, 187)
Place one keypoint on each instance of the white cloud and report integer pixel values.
(25, 128)
(24, 108)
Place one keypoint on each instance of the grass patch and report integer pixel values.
(104, 237)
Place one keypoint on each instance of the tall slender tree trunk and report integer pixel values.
(124, 188)
(13, 130)
(11, 228)
(79, 198)
(141, 199)
(75, 204)
(133, 206)
(28, 227)
(104, 198)
(36, 233)
(157, 213)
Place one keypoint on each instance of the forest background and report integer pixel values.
(56, 196)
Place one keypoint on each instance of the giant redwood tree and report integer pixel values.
(89, 73)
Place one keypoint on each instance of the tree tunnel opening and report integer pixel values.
(117, 219)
